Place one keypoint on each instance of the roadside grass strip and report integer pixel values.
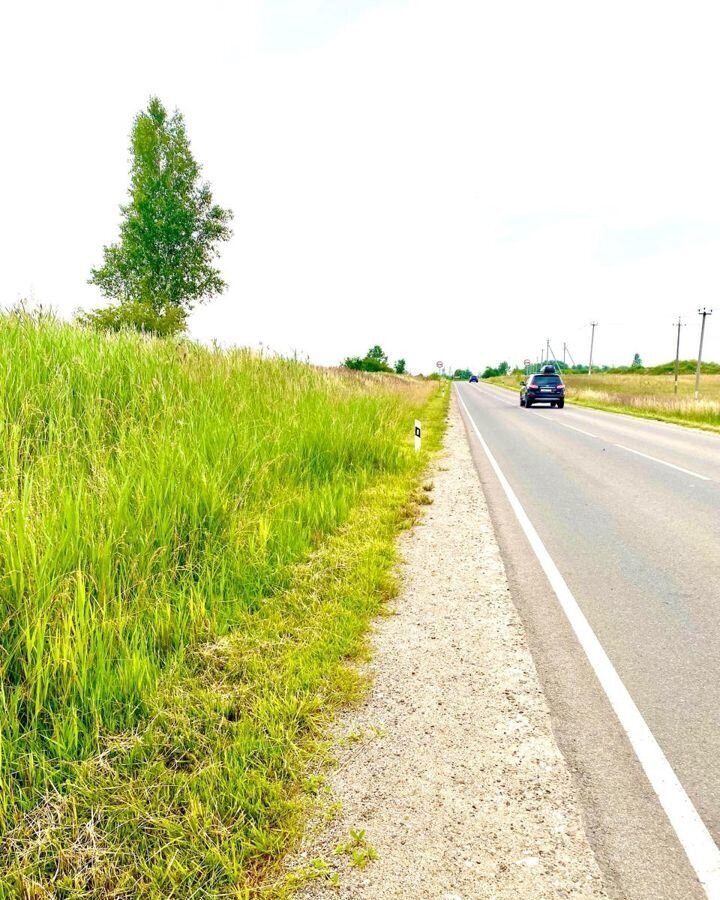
(194, 543)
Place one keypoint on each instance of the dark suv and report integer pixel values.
(543, 388)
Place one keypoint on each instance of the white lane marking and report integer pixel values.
(664, 463)
(701, 850)
(565, 425)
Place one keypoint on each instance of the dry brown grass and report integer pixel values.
(415, 390)
(635, 386)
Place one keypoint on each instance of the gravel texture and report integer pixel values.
(450, 767)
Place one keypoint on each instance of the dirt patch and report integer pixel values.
(449, 772)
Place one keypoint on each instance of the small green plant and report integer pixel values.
(361, 856)
(331, 811)
(314, 784)
(316, 870)
(355, 736)
(357, 849)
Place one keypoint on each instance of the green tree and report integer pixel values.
(375, 360)
(400, 367)
(501, 369)
(462, 374)
(134, 314)
(377, 353)
(637, 363)
(169, 235)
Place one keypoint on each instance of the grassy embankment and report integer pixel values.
(193, 544)
(647, 396)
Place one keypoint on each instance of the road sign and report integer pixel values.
(439, 364)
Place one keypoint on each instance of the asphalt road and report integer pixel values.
(629, 511)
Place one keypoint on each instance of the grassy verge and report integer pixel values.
(644, 396)
(200, 541)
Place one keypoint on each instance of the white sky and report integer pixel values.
(454, 179)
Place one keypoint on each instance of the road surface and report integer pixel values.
(629, 512)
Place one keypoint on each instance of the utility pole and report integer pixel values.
(678, 325)
(547, 351)
(704, 312)
(592, 343)
(564, 353)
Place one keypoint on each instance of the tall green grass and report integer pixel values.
(153, 495)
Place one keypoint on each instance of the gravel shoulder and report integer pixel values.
(450, 767)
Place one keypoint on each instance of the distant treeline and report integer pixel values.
(375, 360)
(685, 367)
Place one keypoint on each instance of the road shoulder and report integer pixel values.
(449, 773)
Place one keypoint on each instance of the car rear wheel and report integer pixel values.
(561, 403)
(522, 402)
(528, 403)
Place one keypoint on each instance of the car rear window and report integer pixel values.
(546, 379)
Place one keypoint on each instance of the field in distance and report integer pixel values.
(648, 396)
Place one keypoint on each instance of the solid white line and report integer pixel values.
(664, 463)
(694, 837)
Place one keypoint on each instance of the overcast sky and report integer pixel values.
(456, 180)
